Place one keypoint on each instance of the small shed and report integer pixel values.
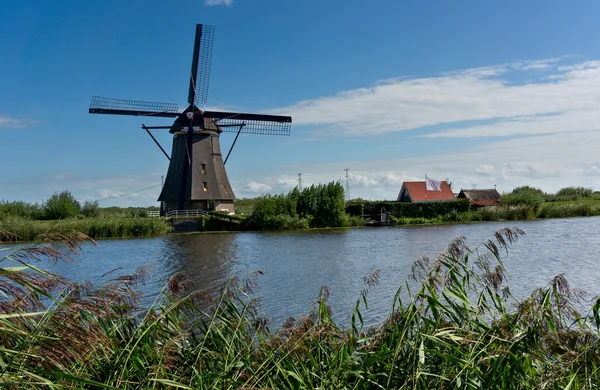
(483, 197)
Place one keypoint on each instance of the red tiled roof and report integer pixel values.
(418, 192)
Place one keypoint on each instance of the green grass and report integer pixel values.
(29, 230)
(460, 329)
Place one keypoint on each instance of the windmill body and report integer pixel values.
(209, 187)
(196, 178)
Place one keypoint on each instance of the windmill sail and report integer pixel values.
(196, 178)
(104, 105)
(251, 123)
(201, 61)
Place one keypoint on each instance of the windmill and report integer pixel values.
(196, 178)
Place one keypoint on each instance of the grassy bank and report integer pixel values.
(562, 209)
(29, 230)
(460, 329)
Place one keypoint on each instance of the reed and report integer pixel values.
(569, 209)
(30, 230)
(460, 328)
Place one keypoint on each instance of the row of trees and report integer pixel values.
(59, 206)
(63, 205)
(532, 196)
(322, 205)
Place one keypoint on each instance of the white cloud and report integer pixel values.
(212, 3)
(37, 187)
(562, 98)
(14, 123)
(109, 193)
(257, 188)
(550, 162)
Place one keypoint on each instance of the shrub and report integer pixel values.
(407, 209)
(21, 209)
(525, 195)
(90, 209)
(581, 192)
(318, 206)
(61, 206)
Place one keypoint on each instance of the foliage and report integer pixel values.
(572, 194)
(315, 206)
(125, 212)
(61, 206)
(219, 221)
(21, 209)
(581, 192)
(460, 328)
(28, 230)
(525, 195)
(244, 206)
(90, 209)
(408, 209)
(569, 209)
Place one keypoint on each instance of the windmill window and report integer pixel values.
(225, 189)
(203, 168)
(205, 184)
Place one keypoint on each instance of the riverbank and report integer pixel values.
(546, 210)
(125, 227)
(30, 230)
(460, 328)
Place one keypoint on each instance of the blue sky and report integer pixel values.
(483, 93)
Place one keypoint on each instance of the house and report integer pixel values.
(480, 197)
(416, 191)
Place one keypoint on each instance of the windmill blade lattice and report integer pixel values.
(230, 122)
(104, 105)
(201, 62)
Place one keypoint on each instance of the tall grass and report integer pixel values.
(29, 230)
(460, 328)
(569, 209)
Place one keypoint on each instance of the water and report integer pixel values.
(295, 264)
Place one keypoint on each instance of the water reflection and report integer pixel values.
(205, 259)
(295, 264)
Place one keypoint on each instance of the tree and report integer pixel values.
(524, 195)
(90, 209)
(61, 206)
(575, 192)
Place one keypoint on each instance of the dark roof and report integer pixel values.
(481, 197)
(417, 192)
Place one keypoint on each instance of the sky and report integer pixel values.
(482, 93)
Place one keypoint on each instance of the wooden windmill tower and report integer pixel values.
(196, 178)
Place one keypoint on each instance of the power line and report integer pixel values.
(131, 193)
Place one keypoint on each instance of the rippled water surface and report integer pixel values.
(296, 264)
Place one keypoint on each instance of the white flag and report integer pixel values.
(432, 184)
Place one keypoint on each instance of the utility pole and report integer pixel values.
(347, 183)
(299, 182)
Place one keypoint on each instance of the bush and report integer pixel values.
(525, 195)
(316, 206)
(407, 209)
(61, 206)
(580, 192)
(90, 209)
(553, 210)
(21, 209)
